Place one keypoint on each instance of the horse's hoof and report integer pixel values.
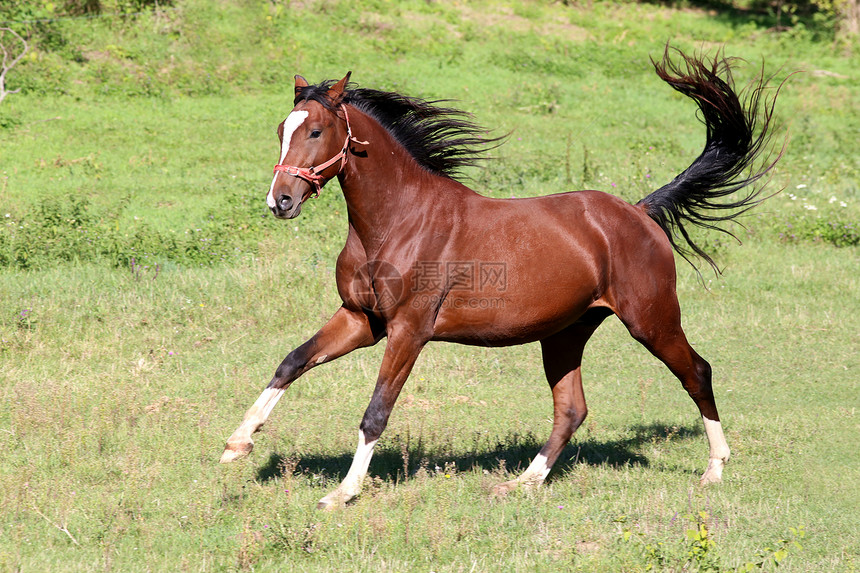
(235, 451)
(335, 500)
(504, 489)
(325, 505)
(714, 473)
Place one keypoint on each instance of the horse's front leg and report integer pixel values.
(401, 352)
(346, 331)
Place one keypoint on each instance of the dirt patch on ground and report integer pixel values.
(506, 18)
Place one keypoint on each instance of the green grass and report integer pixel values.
(146, 298)
(120, 392)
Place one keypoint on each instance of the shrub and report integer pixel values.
(836, 231)
(70, 232)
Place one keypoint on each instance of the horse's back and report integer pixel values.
(539, 264)
(636, 256)
(585, 225)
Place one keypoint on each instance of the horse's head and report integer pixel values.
(314, 140)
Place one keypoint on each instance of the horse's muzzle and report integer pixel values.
(286, 208)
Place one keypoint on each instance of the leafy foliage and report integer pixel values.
(698, 551)
(73, 232)
(839, 232)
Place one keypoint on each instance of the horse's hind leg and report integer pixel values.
(562, 359)
(657, 325)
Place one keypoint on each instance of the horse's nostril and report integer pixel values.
(285, 202)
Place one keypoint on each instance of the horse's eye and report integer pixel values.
(316, 133)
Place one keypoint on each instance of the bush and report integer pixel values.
(838, 232)
(70, 232)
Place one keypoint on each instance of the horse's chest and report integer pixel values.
(352, 283)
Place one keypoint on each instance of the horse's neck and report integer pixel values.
(385, 188)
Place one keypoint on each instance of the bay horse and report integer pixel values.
(427, 259)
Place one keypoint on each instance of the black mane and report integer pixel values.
(443, 140)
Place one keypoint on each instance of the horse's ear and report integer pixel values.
(300, 83)
(336, 91)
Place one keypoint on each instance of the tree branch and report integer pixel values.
(8, 63)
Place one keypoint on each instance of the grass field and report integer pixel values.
(137, 262)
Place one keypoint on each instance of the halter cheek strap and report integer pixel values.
(313, 174)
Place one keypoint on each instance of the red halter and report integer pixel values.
(312, 174)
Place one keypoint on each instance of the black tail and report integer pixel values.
(734, 146)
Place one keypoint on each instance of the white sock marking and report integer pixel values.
(537, 470)
(352, 482)
(268, 399)
(291, 124)
(719, 449)
(254, 418)
(257, 414)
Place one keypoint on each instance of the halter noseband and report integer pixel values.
(312, 174)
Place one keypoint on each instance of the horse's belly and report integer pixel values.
(497, 319)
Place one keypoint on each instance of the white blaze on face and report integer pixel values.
(291, 124)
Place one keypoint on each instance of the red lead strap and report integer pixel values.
(312, 174)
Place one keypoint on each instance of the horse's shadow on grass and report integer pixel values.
(398, 457)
